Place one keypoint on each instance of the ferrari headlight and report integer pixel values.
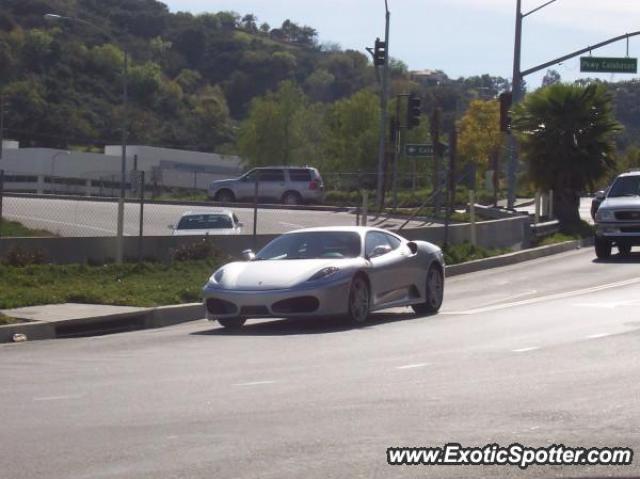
(324, 273)
(604, 215)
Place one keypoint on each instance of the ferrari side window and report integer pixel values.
(376, 244)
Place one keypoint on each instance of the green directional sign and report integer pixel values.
(422, 150)
(608, 65)
(418, 150)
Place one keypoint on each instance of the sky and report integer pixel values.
(459, 37)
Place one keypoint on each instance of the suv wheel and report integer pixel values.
(603, 248)
(225, 196)
(291, 198)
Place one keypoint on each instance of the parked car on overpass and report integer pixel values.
(207, 222)
(332, 271)
(291, 185)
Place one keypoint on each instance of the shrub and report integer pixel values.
(20, 257)
(203, 249)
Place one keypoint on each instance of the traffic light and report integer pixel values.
(505, 115)
(413, 111)
(380, 53)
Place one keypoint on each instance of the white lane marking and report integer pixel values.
(254, 383)
(599, 335)
(608, 304)
(58, 398)
(509, 298)
(294, 225)
(413, 366)
(551, 297)
(524, 350)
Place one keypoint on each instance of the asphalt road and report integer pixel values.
(96, 218)
(541, 353)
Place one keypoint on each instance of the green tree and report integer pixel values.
(479, 137)
(567, 137)
(269, 135)
(353, 126)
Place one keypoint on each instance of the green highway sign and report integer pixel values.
(420, 150)
(608, 65)
(423, 150)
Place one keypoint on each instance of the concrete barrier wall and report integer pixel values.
(511, 233)
(503, 233)
(103, 249)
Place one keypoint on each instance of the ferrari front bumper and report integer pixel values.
(322, 299)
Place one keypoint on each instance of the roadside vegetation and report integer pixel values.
(461, 253)
(15, 229)
(580, 231)
(4, 319)
(144, 284)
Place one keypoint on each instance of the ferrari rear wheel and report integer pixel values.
(434, 292)
(232, 323)
(359, 300)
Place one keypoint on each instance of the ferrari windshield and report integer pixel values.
(313, 245)
(625, 186)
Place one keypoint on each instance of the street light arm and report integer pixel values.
(56, 17)
(579, 52)
(538, 8)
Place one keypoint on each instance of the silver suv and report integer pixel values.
(291, 185)
(618, 216)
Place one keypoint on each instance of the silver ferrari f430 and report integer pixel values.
(321, 272)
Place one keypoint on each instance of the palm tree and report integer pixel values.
(566, 133)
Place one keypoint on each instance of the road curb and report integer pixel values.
(516, 257)
(147, 319)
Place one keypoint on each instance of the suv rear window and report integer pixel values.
(300, 175)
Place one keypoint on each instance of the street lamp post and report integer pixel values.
(384, 95)
(124, 138)
(516, 91)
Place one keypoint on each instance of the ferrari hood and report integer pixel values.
(274, 274)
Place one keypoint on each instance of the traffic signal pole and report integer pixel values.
(384, 94)
(516, 91)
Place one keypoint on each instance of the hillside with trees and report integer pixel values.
(226, 82)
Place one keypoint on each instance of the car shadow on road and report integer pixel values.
(299, 326)
(632, 258)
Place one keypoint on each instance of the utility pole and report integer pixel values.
(435, 171)
(384, 93)
(123, 164)
(516, 90)
(1, 124)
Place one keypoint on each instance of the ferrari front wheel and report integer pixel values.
(434, 292)
(359, 300)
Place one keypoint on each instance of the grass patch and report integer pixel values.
(195, 196)
(13, 228)
(4, 319)
(144, 284)
(571, 233)
(461, 253)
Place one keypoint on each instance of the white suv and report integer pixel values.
(292, 185)
(618, 216)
